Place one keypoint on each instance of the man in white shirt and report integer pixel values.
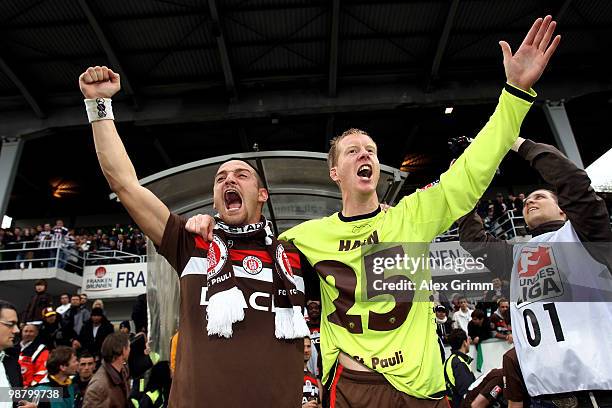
(462, 317)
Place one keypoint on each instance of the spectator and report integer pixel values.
(139, 314)
(313, 307)
(312, 389)
(98, 303)
(10, 372)
(94, 331)
(33, 356)
(75, 317)
(479, 328)
(45, 240)
(15, 243)
(510, 202)
(85, 371)
(500, 290)
(51, 332)
(29, 237)
(462, 317)
(457, 372)
(62, 365)
(157, 391)
(120, 243)
(489, 219)
(39, 301)
(454, 303)
(59, 237)
(499, 207)
(518, 204)
(109, 386)
(83, 297)
(124, 327)
(59, 231)
(500, 321)
(443, 323)
(64, 304)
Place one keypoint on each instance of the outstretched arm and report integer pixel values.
(496, 253)
(466, 180)
(584, 208)
(144, 207)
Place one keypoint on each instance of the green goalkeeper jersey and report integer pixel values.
(397, 338)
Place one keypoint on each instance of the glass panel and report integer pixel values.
(304, 206)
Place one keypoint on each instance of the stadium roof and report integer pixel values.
(202, 79)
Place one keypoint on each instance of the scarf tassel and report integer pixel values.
(290, 323)
(224, 309)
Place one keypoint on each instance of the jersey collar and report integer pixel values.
(358, 217)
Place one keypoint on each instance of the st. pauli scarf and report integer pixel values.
(226, 301)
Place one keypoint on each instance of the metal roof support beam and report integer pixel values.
(162, 152)
(10, 153)
(333, 49)
(557, 118)
(108, 50)
(260, 104)
(22, 88)
(442, 42)
(230, 85)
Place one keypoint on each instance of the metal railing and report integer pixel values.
(59, 254)
(112, 256)
(509, 226)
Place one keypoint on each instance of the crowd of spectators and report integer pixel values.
(76, 348)
(36, 246)
(492, 210)
(485, 318)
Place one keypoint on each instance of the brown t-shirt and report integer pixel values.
(253, 367)
(514, 385)
(491, 387)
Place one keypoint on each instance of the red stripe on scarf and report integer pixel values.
(294, 259)
(332, 395)
(200, 243)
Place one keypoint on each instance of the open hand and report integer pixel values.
(525, 67)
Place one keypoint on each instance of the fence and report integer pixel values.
(58, 254)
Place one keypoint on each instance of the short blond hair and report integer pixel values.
(332, 155)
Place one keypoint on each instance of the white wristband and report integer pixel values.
(99, 109)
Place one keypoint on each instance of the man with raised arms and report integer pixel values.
(380, 350)
(240, 302)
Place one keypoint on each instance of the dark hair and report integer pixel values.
(41, 282)
(456, 338)
(6, 305)
(65, 294)
(478, 314)
(113, 346)
(59, 357)
(75, 295)
(501, 300)
(85, 354)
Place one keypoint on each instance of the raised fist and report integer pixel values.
(99, 82)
